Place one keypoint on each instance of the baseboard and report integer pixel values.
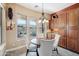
(12, 49)
(70, 50)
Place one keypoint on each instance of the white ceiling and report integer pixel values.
(48, 7)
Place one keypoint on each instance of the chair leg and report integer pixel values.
(57, 51)
(27, 52)
(37, 51)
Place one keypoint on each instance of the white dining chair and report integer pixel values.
(55, 45)
(46, 47)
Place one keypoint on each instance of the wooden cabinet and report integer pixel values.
(68, 25)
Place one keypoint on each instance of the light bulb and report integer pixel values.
(47, 21)
(39, 21)
(44, 20)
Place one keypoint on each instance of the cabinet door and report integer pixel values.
(72, 31)
(63, 38)
(62, 29)
(77, 46)
(72, 38)
(72, 18)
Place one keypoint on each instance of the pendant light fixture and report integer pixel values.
(43, 19)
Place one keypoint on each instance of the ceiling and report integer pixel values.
(48, 7)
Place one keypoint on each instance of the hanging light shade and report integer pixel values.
(42, 19)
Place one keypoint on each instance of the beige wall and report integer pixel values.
(12, 41)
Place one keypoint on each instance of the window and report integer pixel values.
(32, 25)
(21, 27)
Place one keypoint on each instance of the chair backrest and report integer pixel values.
(57, 37)
(46, 47)
(46, 42)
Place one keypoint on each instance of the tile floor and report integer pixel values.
(62, 52)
